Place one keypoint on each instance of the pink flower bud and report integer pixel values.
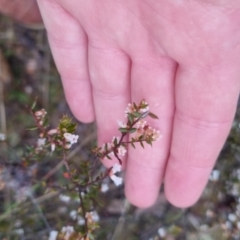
(41, 113)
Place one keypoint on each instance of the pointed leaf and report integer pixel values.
(141, 137)
(152, 115)
(135, 106)
(123, 130)
(132, 144)
(130, 117)
(132, 130)
(115, 141)
(34, 104)
(105, 147)
(137, 114)
(32, 128)
(142, 144)
(149, 142)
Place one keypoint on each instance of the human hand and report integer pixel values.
(181, 56)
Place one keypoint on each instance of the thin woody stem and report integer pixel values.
(41, 127)
(83, 209)
(115, 154)
(99, 179)
(114, 149)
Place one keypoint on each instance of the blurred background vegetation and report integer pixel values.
(27, 71)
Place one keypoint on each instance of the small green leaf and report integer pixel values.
(141, 137)
(142, 144)
(32, 128)
(137, 114)
(148, 141)
(99, 154)
(115, 141)
(132, 144)
(45, 122)
(108, 157)
(135, 106)
(105, 147)
(130, 117)
(132, 130)
(34, 104)
(123, 130)
(152, 115)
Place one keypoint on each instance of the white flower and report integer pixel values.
(68, 230)
(19, 231)
(238, 225)
(162, 232)
(140, 124)
(117, 180)
(228, 225)
(156, 135)
(53, 235)
(41, 142)
(129, 109)
(144, 110)
(22, 194)
(214, 177)
(232, 217)
(209, 213)
(116, 168)
(92, 217)
(73, 214)
(64, 198)
(53, 146)
(40, 114)
(139, 133)
(2, 137)
(81, 221)
(147, 132)
(235, 190)
(121, 124)
(104, 187)
(121, 150)
(71, 139)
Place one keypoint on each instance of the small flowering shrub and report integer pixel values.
(81, 181)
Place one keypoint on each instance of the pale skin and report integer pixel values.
(183, 57)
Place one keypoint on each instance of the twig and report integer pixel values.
(70, 155)
(83, 209)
